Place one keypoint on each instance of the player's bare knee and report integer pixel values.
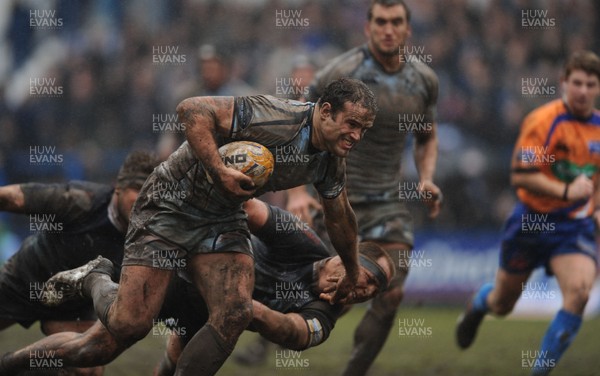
(576, 297)
(231, 320)
(240, 314)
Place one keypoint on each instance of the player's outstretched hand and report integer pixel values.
(434, 193)
(344, 291)
(362, 291)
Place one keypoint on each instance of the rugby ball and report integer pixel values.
(250, 158)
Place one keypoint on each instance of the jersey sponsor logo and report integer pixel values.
(567, 171)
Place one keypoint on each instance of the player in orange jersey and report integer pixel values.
(555, 168)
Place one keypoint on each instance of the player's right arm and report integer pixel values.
(536, 182)
(288, 330)
(309, 327)
(67, 201)
(527, 174)
(204, 118)
(12, 198)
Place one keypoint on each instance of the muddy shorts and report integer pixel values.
(164, 231)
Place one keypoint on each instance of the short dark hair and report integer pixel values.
(136, 168)
(350, 90)
(586, 61)
(388, 3)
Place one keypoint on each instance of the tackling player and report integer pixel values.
(555, 169)
(78, 221)
(297, 318)
(297, 258)
(406, 90)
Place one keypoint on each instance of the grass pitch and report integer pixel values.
(421, 344)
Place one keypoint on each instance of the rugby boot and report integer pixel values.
(68, 285)
(467, 325)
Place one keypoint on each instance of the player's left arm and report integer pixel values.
(342, 228)
(426, 144)
(425, 155)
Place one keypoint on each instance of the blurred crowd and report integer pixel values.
(82, 82)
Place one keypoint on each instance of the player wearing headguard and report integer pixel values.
(292, 268)
(293, 271)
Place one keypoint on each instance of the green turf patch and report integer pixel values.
(421, 344)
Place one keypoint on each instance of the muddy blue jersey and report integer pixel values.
(285, 128)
